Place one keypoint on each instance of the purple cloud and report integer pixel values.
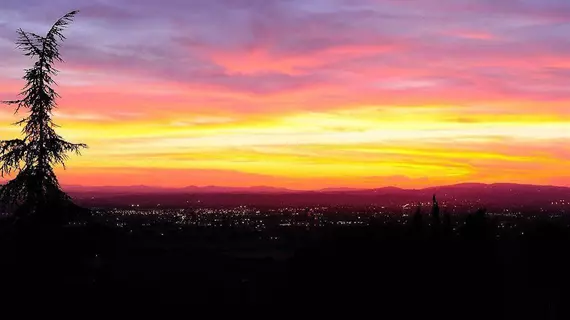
(473, 45)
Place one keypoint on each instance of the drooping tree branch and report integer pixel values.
(36, 188)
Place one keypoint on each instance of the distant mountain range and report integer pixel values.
(500, 194)
(142, 189)
(160, 190)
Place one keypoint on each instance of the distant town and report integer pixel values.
(271, 222)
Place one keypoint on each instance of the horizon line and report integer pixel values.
(313, 189)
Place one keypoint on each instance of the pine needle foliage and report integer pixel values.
(35, 191)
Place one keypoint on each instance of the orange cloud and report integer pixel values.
(288, 94)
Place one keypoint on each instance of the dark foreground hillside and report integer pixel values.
(395, 271)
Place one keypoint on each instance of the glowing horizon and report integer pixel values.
(306, 94)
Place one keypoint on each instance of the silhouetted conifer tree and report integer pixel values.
(435, 210)
(35, 191)
(436, 220)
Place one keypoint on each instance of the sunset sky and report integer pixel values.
(305, 93)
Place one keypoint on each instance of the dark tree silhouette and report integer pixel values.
(436, 219)
(435, 211)
(35, 191)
